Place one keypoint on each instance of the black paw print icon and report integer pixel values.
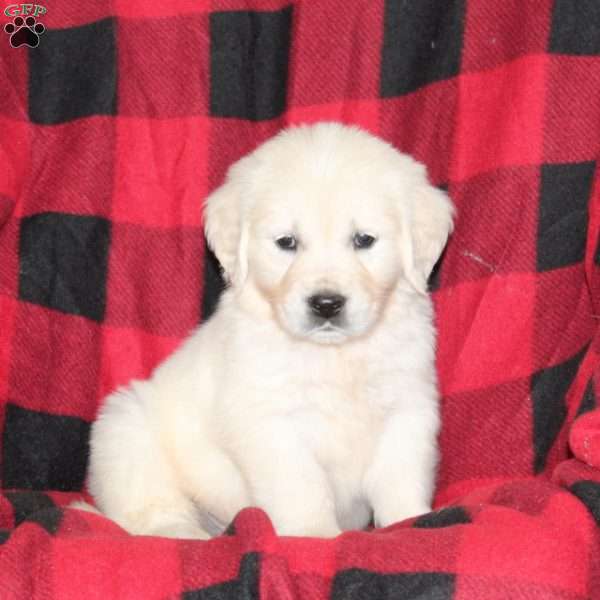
(24, 32)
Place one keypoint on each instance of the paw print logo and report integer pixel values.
(24, 32)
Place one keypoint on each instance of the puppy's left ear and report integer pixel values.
(224, 231)
(428, 221)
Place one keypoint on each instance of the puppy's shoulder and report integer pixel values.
(203, 348)
(405, 338)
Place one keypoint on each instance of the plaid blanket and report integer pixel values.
(117, 118)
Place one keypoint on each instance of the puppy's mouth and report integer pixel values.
(327, 333)
(324, 326)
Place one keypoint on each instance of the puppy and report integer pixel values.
(311, 392)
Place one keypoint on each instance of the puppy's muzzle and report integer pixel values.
(326, 304)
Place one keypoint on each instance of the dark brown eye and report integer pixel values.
(362, 241)
(287, 242)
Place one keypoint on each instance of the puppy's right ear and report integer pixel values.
(222, 226)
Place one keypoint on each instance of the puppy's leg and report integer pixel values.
(131, 478)
(287, 482)
(215, 484)
(400, 481)
(84, 506)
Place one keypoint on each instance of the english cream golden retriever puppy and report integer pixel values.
(311, 392)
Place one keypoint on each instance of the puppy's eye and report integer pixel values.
(287, 242)
(362, 241)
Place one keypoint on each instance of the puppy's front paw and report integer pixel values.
(308, 530)
(389, 515)
(184, 531)
(319, 522)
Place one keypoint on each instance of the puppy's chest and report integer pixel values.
(336, 422)
(334, 406)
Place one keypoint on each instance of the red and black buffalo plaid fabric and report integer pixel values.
(126, 115)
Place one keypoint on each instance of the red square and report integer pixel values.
(565, 510)
(336, 52)
(422, 124)
(160, 171)
(564, 317)
(55, 359)
(472, 420)
(231, 139)
(498, 32)
(141, 9)
(60, 15)
(306, 555)
(363, 113)
(253, 5)
(130, 354)
(496, 225)
(15, 154)
(505, 543)
(500, 117)
(572, 119)
(9, 250)
(8, 304)
(592, 250)
(81, 180)
(485, 332)
(531, 496)
(154, 280)
(167, 60)
(420, 550)
(468, 587)
(209, 564)
(8, 309)
(111, 566)
(14, 75)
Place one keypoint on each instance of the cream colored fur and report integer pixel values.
(322, 426)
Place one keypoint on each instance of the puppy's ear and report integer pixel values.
(224, 231)
(427, 221)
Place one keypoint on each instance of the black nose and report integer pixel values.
(326, 305)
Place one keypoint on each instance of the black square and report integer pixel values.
(214, 283)
(358, 584)
(588, 402)
(249, 57)
(72, 73)
(63, 262)
(563, 214)
(575, 27)
(446, 517)
(25, 504)
(37, 508)
(422, 43)
(244, 587)
(549, 388)
(43, 451)
(589, 493)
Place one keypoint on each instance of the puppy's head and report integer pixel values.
(324, 222)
